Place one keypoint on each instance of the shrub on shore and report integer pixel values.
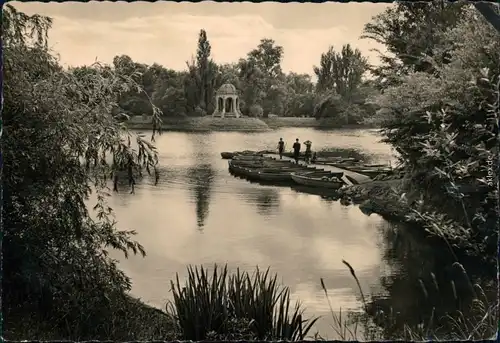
(441, 115)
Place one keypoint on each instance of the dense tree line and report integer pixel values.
(342, 90)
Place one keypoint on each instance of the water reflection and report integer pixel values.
(267, 201)
(200, 181)
(300, 235)
(325, 193)
(422, 283)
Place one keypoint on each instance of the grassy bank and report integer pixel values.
(279, 122)
(123, 319)
(204, 124)
(321, 124)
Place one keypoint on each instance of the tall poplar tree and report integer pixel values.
(206, 69)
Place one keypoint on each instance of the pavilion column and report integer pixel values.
(223, 112)
(237, 106)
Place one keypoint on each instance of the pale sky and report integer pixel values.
(167, 32)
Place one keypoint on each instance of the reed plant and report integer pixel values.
(238, 305)
(481, 324)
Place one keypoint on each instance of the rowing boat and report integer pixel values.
(321, 173)
(260, 160)
(272, 176)
(370, 172)
(237, 170)
(227, 155)
(248, 157)
(263, 164)
(284, 174)
(317, 180)
(364, 169)
(332, 159)
(266, 167)
(272, 166)
(241, 154)
(262, 174)
(278, 170)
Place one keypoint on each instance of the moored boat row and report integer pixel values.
(349, 164)
(264, 169)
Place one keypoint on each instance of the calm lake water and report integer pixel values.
(200, 214)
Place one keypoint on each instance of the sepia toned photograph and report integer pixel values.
(217, 171)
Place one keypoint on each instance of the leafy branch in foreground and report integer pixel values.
(61, 143)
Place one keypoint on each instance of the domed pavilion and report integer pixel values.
(227, 102)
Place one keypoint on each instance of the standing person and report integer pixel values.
(281, 147)
(308, 152)
(296, 150)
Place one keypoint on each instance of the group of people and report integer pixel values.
(296, 150)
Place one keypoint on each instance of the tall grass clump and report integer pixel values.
(480, 323)
(235, 306)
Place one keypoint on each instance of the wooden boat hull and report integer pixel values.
(257, 174)
(263, 161)
(237, 170)
(264, 176)
(367, 170)
(241, 154)
(278, 170)
(227, 155)
(248, 157)
(320, 173)
(370, 172)
(315, 181)
(266, 168)
(272, 177)
(266, 165)
(332, 160)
